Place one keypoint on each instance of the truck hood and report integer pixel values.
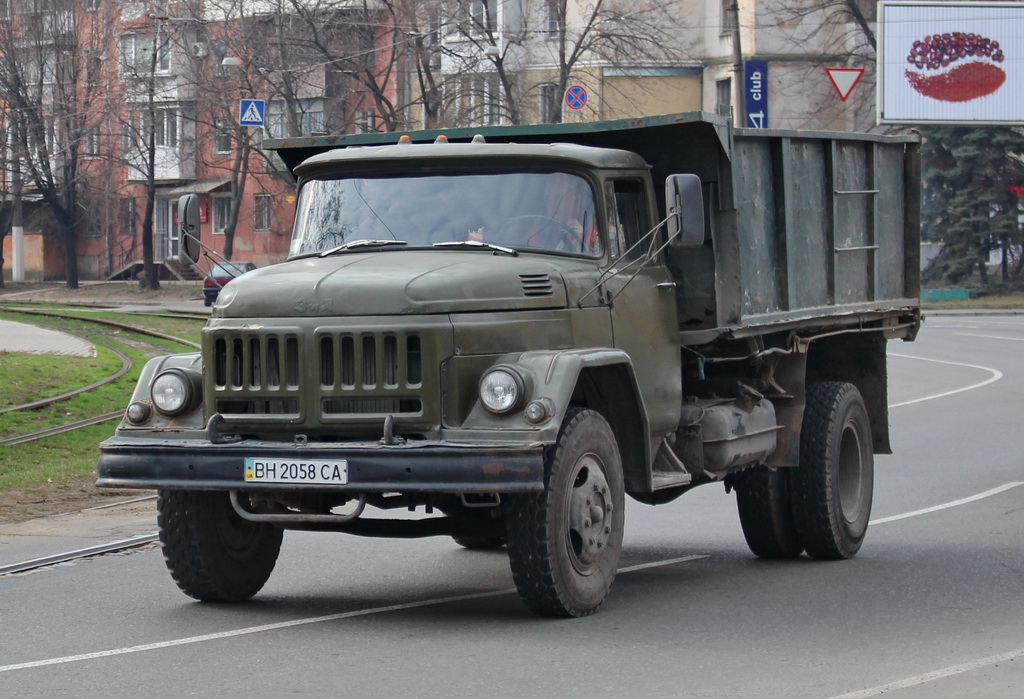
(395, 282)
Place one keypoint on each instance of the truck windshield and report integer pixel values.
(552, 211)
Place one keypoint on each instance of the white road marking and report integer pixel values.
(981, 662)
(936, 675)
(996, 375)
(991, 337)
(298, 622)
(659, 564)
(955, 503)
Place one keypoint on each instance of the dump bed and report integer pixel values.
(802, 228)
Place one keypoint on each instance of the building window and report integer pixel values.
(165, 127)
(261, 212)
(725, 17)
(127, 217)
(221, 214)
(482, 12)
(555, 15)
(723, 96)
(549, 99)
(309, 115)
(365, 121)
(137, 55)
(93, 70)
(222, 135)
(91, 142)
(479, 100)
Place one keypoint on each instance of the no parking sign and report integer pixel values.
(576, 97)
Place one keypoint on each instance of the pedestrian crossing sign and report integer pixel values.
(252, 112)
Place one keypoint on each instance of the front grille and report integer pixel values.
(372, 406)
(257, 407)
(322, 379)
(257, 374)
(254, 362)
(354, 361)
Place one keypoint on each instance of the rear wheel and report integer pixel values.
(564, 543)
(833, 487)
(213, 554)
(766, 513)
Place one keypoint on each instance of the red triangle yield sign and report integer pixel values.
(844, 80)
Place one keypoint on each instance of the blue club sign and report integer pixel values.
(755, 80)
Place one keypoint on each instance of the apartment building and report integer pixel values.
(155, 91)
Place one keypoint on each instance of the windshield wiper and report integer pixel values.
(361, 244)
(477, 244)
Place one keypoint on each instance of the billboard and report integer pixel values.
(951, 63)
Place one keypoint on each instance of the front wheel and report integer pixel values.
(564, 543)
(833, 487)
(213, 554)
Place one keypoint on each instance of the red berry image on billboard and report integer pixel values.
(956, 67)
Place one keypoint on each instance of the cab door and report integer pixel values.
(643, 301)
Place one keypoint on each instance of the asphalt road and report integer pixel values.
(932, 606)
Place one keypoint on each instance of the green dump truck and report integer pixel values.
(507, 330)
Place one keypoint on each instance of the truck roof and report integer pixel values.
(696, 142)
(419, 154)
(646, 136)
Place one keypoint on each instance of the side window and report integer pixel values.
(629, 217)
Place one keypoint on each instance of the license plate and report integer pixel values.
(313, 471)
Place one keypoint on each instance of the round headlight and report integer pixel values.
(537, 411)
(172, 392)
(138, 413)
(501, 390)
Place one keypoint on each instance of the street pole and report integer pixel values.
(17, 231)
(738, 107)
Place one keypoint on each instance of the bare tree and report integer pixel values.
(153, 120)
(510, 41)
(824, 33)
(44, 51)
(365, 44)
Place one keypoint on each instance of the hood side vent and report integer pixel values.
(536, 284)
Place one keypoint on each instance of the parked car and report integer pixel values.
(220, 274)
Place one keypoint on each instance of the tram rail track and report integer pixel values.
(126, 365)
(74, 555)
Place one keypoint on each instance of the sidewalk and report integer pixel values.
(125, 296)
(32, 339)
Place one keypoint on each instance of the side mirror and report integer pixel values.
(188, 229)
(685, 204)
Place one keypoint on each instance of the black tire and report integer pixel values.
(213, 554)
(833, 487)
(564, 543)
(766, 513)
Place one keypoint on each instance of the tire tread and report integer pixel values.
(813, 485)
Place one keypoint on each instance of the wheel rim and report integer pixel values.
(850, 474)
(240, 538)
(589, 512)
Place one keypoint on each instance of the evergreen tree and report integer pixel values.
(968, 202)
